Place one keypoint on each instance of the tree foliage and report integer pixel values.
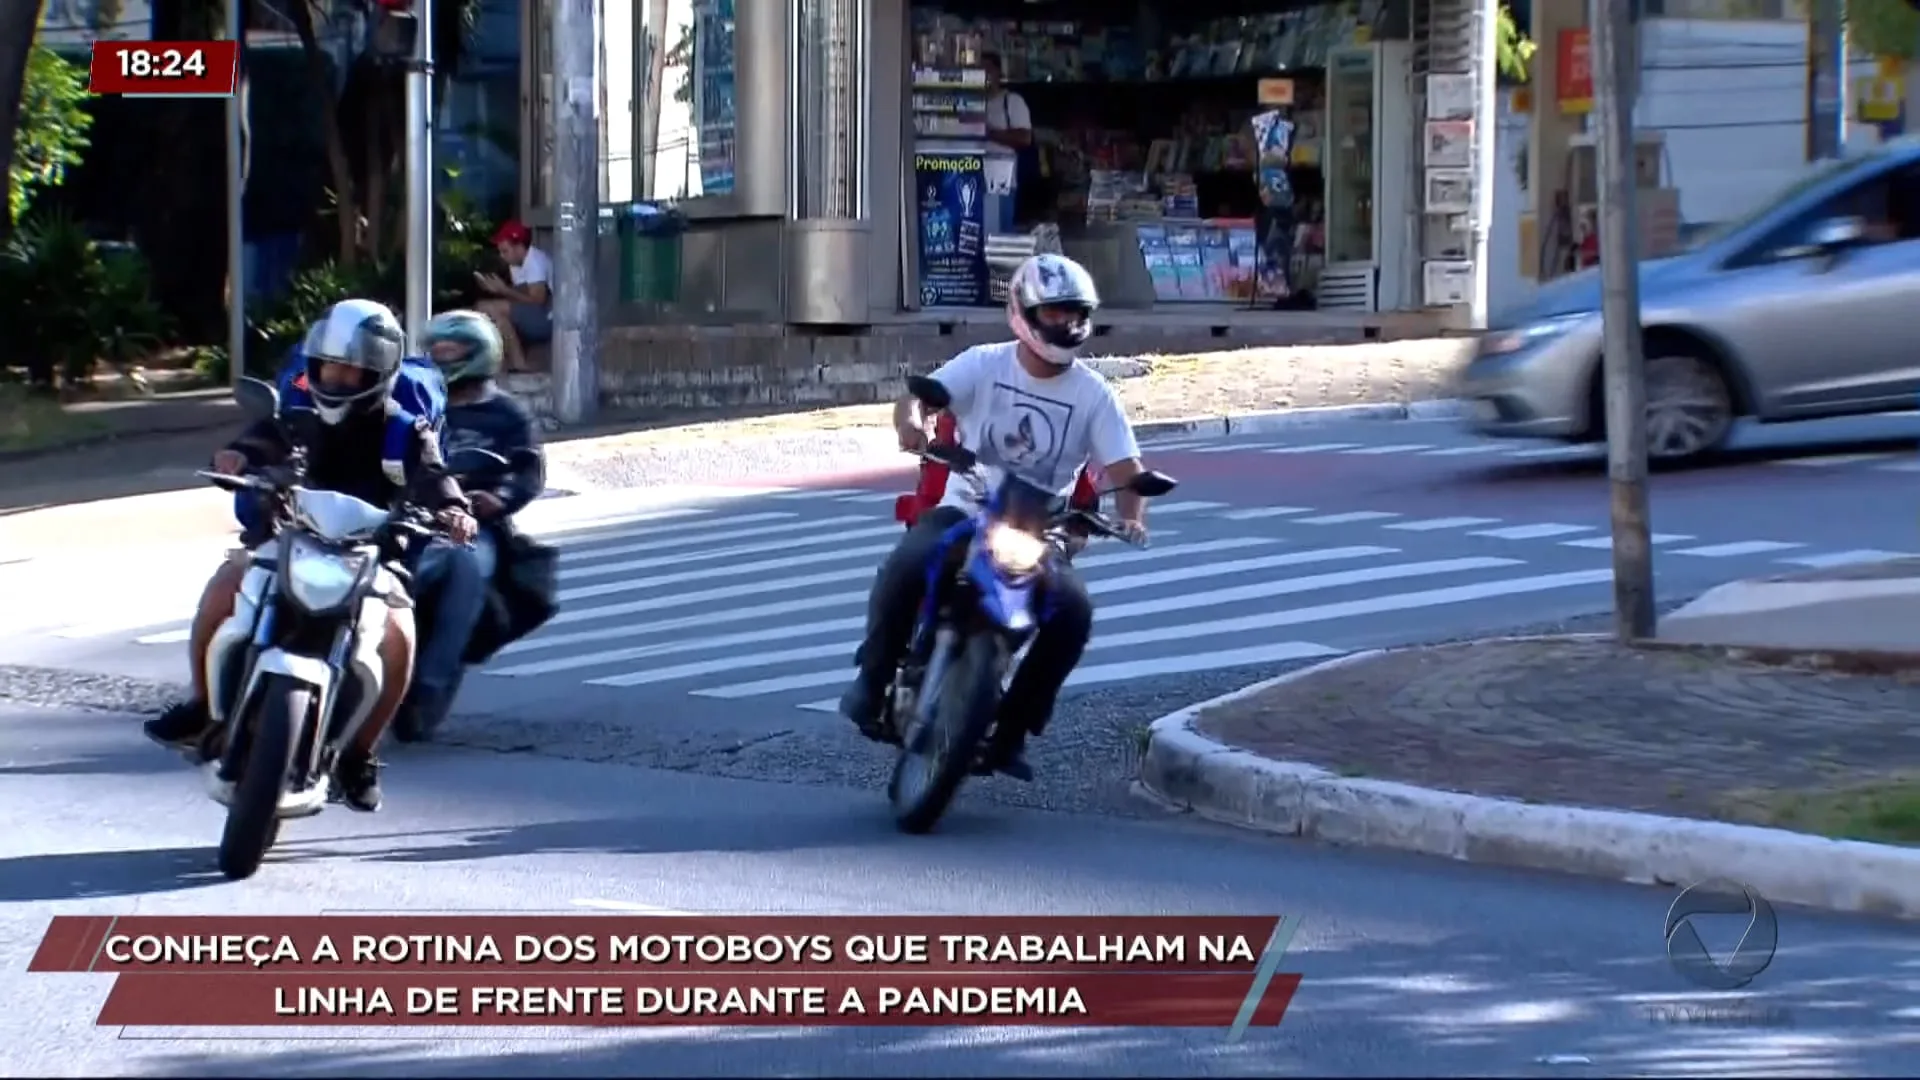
(680, 58)
(1883, 28)
(1516, 49)
(51, 129)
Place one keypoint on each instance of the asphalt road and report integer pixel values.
(654, 792)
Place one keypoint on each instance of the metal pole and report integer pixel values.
(1625, 370)
(576, 213)
(420, 207)
(236, 194)
(1826, 79)
(1486, 134)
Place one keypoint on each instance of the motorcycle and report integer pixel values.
(976, 620)
(295, 671)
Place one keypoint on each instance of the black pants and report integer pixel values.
(1066, 622)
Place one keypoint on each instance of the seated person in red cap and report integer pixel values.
(523, 307)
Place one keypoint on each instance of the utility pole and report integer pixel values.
(1625, 367)
(236, 200)
(1486, 136)
(576, 202)
(1826, 80)
(419, 150)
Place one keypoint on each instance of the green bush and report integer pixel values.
(72, 302)
(51, 130)
(462, 246)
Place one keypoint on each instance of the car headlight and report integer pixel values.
(1014, 551)
(1512, 341)
(319, 580)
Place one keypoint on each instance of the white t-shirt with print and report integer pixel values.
(535, 269)
(1041, 429)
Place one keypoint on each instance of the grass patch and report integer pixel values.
(32, 422)
(1885, 811)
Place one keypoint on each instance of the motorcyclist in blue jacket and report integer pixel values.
(377, 437)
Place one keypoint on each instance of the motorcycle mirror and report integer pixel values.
(257, 399)
(472, 459)
(1151, 485)
(929, 392)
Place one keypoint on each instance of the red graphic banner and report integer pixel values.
(685, 971)
(165, 68)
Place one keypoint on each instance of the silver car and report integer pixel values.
(1808, 307)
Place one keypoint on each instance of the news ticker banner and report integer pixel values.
(165, 68)
(611, 970)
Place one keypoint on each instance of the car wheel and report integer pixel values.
(1689, 407)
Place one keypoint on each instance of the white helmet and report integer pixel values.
(363, 334)
(1061, 289)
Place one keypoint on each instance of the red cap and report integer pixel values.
(513, 232)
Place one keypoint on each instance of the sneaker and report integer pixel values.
(863, 706)
(359, 777)
(182, 725)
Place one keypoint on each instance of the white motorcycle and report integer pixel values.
(295, 671)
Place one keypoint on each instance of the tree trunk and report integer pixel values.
(656, 92)
(346, 209)
(19, 21)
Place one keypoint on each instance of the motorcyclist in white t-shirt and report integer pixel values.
(1029, 407)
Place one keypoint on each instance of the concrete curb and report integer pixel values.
(1276, 420)
(1188, 770)
(1845, 661)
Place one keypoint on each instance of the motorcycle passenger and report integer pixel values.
(1024, 406)
(376, 433)
(453, 581)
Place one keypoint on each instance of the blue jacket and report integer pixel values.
(356, 457)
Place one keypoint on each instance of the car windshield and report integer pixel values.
(1816, 175)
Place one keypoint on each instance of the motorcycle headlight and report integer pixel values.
(1014, 551)
(319, 580)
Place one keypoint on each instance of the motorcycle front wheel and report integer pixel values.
(928, 775)
(253, 817)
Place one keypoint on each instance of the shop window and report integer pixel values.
(1139, 155)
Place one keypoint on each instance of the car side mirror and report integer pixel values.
(1834, 235)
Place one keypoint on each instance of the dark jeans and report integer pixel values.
(1066, 621)
(453, 579)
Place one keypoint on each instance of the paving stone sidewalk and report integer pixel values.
(1589, 723)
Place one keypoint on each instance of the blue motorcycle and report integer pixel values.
(978, 615)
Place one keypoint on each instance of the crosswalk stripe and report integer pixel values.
(870, 497)
(1846, 558)
(166, 637)
(570, 538)
(1741, 547)
(1827, 461)
(1605, 543)
(785, 543)
(1548, 452)
(815, 493)
(569, 531)
(731, 592)
(1462, 451)
(1160, 510)
(1256, 513)
(585, 554)
(1398, 448)
(801, 630)
(1230, 448)
(733, 570)
(1189, 663)
(1347, 518)
(1431, 524)
(1910, 465)
(1312, 448)
(1108, 614)
(1532, 532)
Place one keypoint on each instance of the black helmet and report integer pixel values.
(361, 334)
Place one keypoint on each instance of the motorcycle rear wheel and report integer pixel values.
(968, 700)
(253, 817)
